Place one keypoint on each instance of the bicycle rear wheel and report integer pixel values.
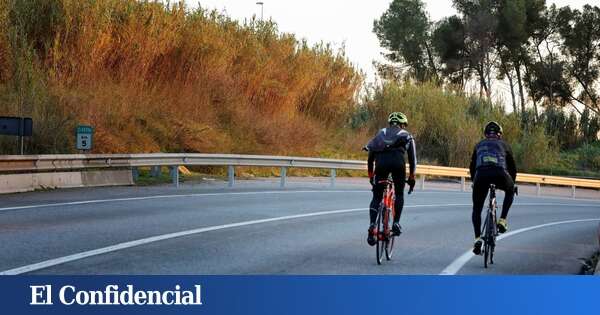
(486, 253)
(381, 242)
(492, 238)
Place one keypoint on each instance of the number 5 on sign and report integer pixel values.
(84, 137)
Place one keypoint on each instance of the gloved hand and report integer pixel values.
(411, 183)
(372, 178)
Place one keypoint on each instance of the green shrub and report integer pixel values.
(447, 125)
(534, 150)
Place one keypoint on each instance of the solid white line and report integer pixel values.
(85, 202)
(143, 241)
(459, 262)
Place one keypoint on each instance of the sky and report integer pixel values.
(347, 23)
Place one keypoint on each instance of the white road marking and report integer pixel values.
(85, 202)
(143, 241)
(459, 262)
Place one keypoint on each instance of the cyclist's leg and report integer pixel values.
(381, 172)
(399, 176)
(480, 191)
(506, 183)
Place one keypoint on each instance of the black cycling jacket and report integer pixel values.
(493, 153)
(392, 139)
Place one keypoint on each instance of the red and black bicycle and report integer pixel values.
(385, 217)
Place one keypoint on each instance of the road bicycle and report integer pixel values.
(385, 215)
(385, 219)
(490, 229)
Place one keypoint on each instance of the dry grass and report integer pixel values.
(155, 78)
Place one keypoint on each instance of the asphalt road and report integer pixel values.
(257, 228)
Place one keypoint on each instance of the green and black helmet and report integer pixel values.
(492, 127)
(397, 118)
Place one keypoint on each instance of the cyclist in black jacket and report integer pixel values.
(387, 150)
(492, 163)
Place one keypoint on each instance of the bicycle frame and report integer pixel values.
(389, 198)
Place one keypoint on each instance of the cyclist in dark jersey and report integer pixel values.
(387, 150)
(492, 162)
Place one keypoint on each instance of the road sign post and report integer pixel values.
(84, 137)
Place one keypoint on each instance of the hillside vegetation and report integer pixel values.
(156, 78)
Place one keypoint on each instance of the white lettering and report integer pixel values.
(154, 298)
(62, 293)
(165, 299)
(38, 291)
(140, 298)
(126, 297)
(198, 295)
(114, 295)
(82, 297)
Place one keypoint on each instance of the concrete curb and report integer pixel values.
(14, 183)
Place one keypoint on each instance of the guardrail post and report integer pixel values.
(538, 190)
(333, 177)
(463, 183)
(572, 191)
(422, 180)
(283, 174)
(155, 171)
(230, 175)
(174, 170)
(135, 173)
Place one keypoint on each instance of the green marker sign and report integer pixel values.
(84, 137)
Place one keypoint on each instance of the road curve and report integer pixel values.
(259, 229)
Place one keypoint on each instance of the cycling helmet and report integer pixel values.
(398, 118)
(492, 127)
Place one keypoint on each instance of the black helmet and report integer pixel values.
(492, 127)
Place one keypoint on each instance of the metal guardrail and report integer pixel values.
(63, 162)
